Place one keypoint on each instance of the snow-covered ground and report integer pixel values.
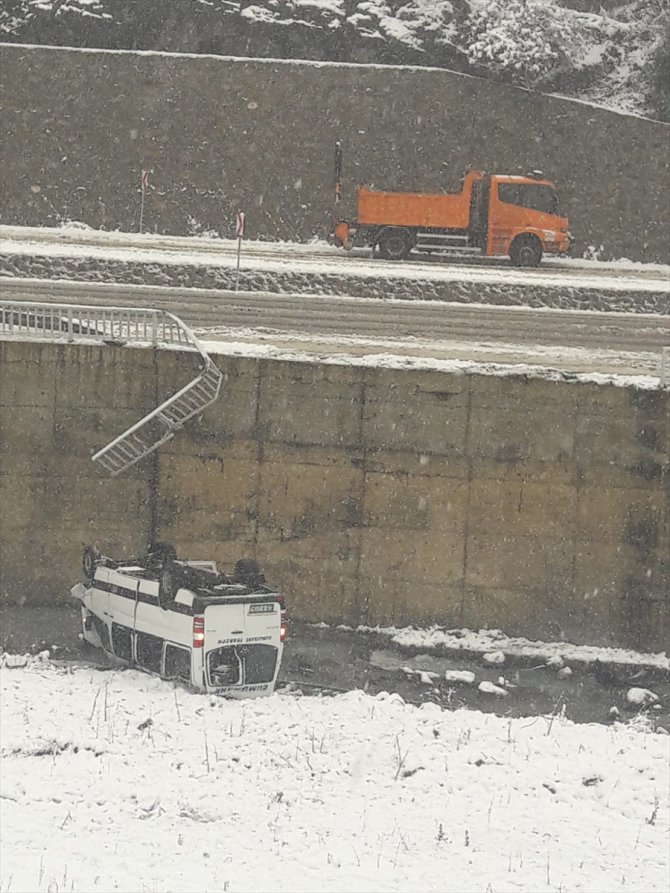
(76, 233)
(120, 781)
(321, 258)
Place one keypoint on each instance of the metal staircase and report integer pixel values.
(163, 423)
(122, 325)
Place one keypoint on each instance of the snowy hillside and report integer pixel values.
(614, 52)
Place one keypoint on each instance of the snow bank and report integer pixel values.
(641, 697)
(489, 688)
(460, 677)
(132, 784)
(492, 641)
(454, 366)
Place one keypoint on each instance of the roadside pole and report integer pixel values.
(338, 172)
(239, 232)
(144, 182)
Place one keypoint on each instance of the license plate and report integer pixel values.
(262, 609)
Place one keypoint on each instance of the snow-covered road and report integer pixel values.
(318, 255)
(572, 341)
(119, 781)
(314, 300)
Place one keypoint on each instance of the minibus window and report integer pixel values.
(122, 641)
(177, 663)
(225, 666)
(259, 664)
(149, 652)
(103, 632)
(242, 664)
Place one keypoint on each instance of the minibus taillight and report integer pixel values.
(283, 629)
(198, 632)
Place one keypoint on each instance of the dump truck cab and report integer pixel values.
(524, 219)
(492, 214)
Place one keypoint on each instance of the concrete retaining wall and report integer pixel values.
(76, 127)
(370, 495)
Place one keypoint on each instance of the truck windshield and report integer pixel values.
(529, 195)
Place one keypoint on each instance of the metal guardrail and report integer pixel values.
(72, 321)
(122, 325)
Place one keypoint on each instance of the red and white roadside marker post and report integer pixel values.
(239, 232)
(144, 183)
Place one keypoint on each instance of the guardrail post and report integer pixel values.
(154, 329)
(70, 333)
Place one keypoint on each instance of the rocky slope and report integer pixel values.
(605, 51)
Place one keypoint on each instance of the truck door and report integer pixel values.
(521, 206)
(506, 215)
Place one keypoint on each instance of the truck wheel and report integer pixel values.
(168, 585)
(526, 251)
(395, 243)
(90, 560)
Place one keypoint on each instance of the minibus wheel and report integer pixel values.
(248, 571)
(163, 552)
(90, 561)
(168, 585)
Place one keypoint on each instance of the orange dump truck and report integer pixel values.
(493, 214)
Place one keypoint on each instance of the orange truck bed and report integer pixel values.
(413, 209)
